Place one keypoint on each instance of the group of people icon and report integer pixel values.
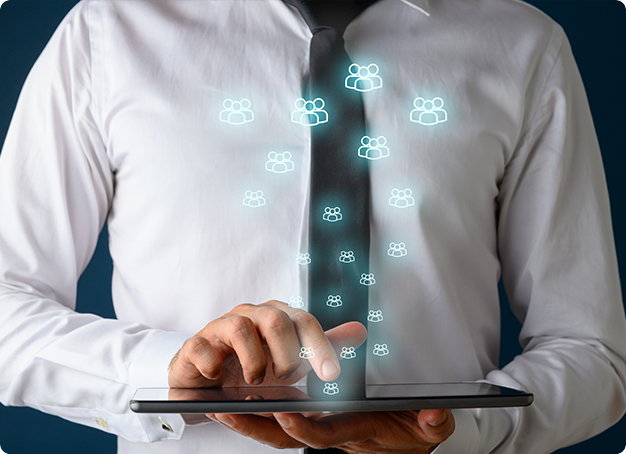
(307, 353)
(331, 388)
(381, 349)
(373, 148)
(367, 279)
(296, 301)
(375, 316)
(334, 301)
(346, 257)
(397, 250)
(279, 162)
(401, 198)
(254, 199)
(309, 113)
(428, 112)
(303, 258)
(332, 214)
(236, 112)
(363, 78)
(347, 353)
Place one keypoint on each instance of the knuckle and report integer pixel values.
(243, 307)
(195, 346)
(306, 321)
(241, 326)
(276, 320)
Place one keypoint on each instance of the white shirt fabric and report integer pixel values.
(120, 120)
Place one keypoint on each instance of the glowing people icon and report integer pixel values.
(309, 113)
(375, 316)
(367, 279)
(363, 78)
(401, 198)
(332, 214)
(381, 350)
(279, 162)
(331, 388)
(254, 199)
(373, 148)
(397, 250)
(307, 353)
(296, 301)
(303, 259)
(428, 112)
(347, 353)
(236, 112)
(334, 301)
(346, 257)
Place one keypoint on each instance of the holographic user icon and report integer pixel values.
(279, 162)
(401, 198)
(331, 388)
(254, 199)
(363, 78)
(334, 301)
(373, 148)
(367, 279)
(332, 214)
(306, 353)
(236, 112)
(375, 316)
(428, 112)
(347, 353)
(303, 259)
(397, 250)
(296, 301)
(381, 350)
(347, 257)
(309, 113)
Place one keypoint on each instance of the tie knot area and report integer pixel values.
(324, 14)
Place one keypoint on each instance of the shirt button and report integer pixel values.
(102, 423)
(165, 425)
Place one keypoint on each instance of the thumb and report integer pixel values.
(436, 425)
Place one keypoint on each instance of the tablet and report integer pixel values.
(332, 398)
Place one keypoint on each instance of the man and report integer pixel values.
(135, 133)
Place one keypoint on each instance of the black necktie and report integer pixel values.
(339, 194)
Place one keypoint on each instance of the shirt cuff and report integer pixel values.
(465, 438)
(150, 370)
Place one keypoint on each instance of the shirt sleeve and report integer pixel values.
(56, 188)
(559, 269)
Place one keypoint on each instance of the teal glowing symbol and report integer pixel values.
(428, 112)
(296, 301)
(303, 259)
(363, 78)
(236, 112)
(375, 316)
(397, 250)
(381, 350)
(401, 198)
(332, 214)
(309, 113)
(334, 301)
(373, 148)
(346, 257)
(367, 279)
(254, 199)
(307, 353)
(279, 162)
(331, 388)
(347, 353)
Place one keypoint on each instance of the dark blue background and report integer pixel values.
(597, 32)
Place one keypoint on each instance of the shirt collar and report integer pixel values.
(420, 5)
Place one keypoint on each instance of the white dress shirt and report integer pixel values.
(490, 167)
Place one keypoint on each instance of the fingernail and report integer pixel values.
(284, 422)
(439, 421)
(257, 381)
(329, 368)
(226, 420)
